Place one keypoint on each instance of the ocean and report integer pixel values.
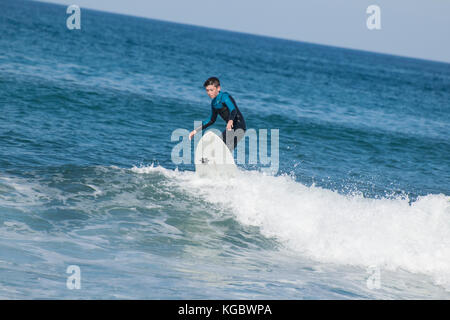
(93, 205)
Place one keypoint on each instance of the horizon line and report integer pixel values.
(251, 34)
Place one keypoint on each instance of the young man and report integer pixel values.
(224, 105)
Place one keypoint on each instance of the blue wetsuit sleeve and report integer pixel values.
(231, 108)
(212, 119)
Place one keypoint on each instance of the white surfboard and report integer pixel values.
(212, 157)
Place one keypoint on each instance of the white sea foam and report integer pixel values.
(18, 192)
(312, 222)
(331, 227)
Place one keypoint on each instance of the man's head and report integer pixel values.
(212, 86)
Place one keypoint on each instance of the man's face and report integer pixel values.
(212, 91)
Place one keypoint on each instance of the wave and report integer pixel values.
(395, 234)
(324, 225)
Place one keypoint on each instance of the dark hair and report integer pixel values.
(212, 81)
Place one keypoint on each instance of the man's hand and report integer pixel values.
(192, 134)
(230, 125)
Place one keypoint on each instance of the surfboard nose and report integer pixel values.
(212, 157)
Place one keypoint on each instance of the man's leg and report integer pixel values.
(233, 137)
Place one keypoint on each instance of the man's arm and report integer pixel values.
(205, 124)
(231, 108)
(233, 111)
(212, 119)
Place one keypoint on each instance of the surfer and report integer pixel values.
(224, 105)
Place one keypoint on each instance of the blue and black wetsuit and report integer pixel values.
(225, 106)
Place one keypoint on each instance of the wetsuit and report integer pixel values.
(225, 106)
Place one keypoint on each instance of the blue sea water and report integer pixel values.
(358, 209)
